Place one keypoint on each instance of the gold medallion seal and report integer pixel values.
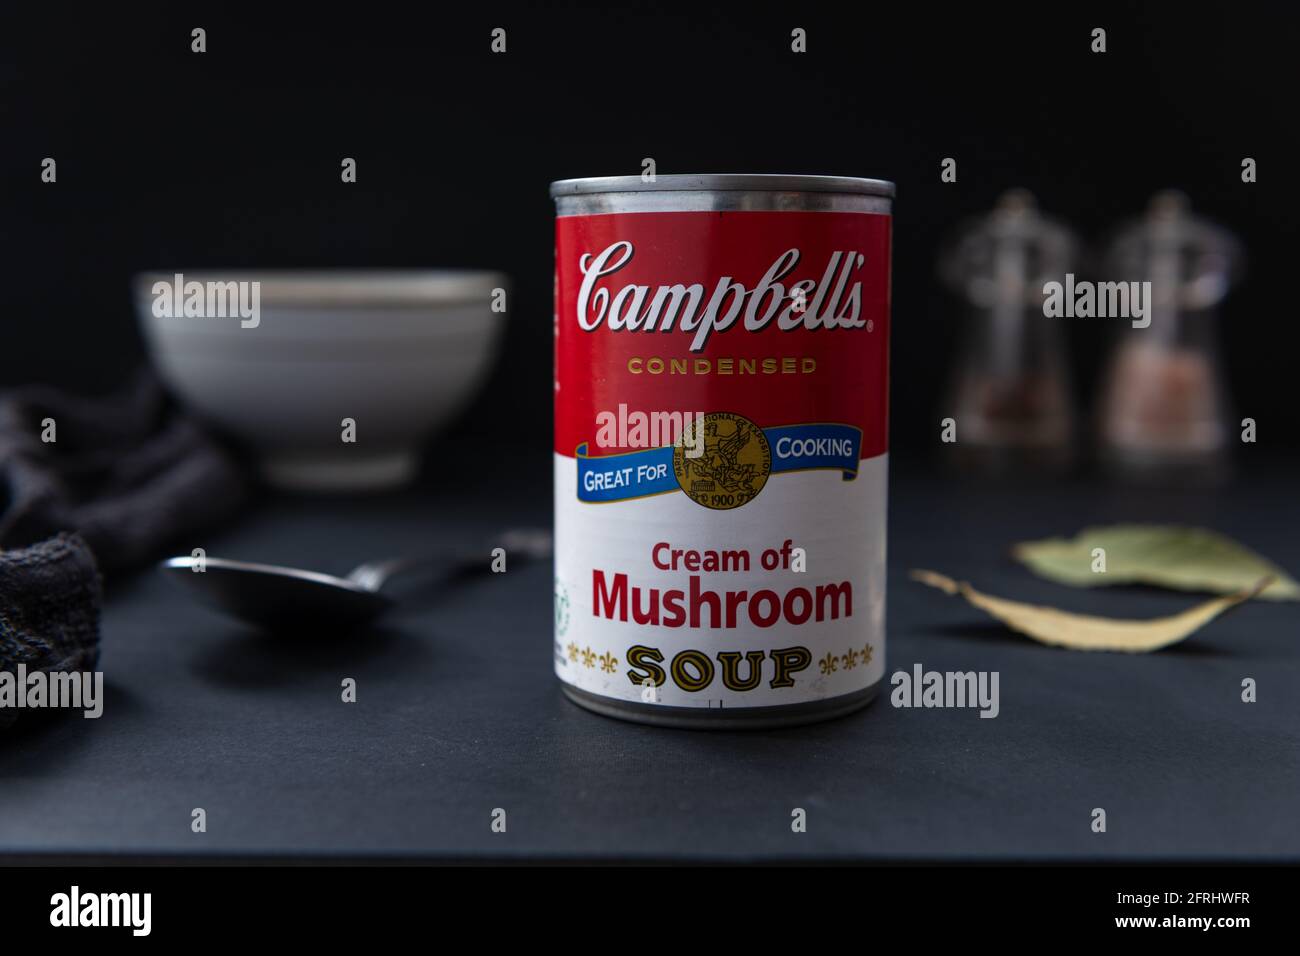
(733, 467)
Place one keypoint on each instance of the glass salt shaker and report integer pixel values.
(1163, 408)
(1010, 391)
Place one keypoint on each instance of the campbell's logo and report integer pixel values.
(832, 302)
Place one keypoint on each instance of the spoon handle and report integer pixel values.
(529, 543)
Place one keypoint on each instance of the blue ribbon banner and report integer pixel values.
(639, 474)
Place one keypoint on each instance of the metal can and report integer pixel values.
(721, 446)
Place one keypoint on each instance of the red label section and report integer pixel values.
(782, 317)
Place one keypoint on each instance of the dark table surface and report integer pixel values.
(458, 713)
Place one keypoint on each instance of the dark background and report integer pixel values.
(173, 160)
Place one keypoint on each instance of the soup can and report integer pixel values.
(721, 445)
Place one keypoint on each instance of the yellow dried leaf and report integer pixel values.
(1084, 632)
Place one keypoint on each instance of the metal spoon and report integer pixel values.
(271, 595)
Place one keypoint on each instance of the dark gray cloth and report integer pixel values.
(127, 472)
(50, 599)
(121, 478)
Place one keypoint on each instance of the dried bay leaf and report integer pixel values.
(1170, 556)
(1084, 632)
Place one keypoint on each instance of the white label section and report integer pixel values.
(813, 634)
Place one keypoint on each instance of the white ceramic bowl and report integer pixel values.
(397, 352)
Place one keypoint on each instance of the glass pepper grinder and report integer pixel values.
(1010, 392)
(1163, 408)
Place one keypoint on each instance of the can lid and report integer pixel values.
(745, 182)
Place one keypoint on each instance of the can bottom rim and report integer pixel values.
(741, 718)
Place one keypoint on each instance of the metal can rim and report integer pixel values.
(743, 182)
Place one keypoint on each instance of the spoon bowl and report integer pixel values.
(278, 596)
(284, 598)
